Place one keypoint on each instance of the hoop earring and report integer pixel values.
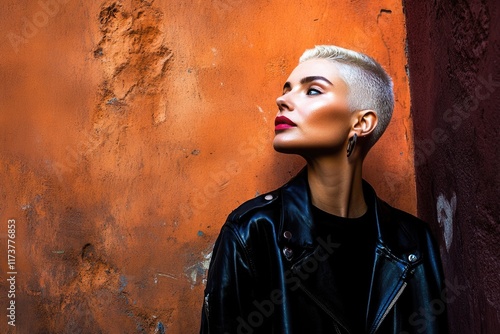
(351, 144)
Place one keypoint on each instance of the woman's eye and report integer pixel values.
(313, 91)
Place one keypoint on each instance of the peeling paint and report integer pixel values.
(123, 283)
(445, 215)
(196, 273)
(134, 56)
(160, 329)
(171, 276)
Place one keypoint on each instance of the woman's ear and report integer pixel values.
(365, 122)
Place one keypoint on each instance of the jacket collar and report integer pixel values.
(296, 217)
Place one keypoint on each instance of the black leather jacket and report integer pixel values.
(267, 262)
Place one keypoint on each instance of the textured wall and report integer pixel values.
(129, 130)
(454, 55)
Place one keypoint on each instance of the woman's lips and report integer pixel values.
(283, 126)
(282, 123)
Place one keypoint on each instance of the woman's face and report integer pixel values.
(313, 117)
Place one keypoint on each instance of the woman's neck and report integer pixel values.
(336, 187)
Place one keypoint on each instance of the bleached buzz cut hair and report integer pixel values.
(370, 87)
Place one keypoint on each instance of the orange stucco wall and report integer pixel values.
(129, 130)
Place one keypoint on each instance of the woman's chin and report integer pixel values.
(281, 148)
(287, 148)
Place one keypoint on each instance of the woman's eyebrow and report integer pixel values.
(305, 80)
(314, 78)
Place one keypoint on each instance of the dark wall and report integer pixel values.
(454, 55)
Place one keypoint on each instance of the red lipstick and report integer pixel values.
(282, 123)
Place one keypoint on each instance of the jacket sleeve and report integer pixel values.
(228, 292)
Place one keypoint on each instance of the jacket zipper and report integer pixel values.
(320, 304)
(396, 297)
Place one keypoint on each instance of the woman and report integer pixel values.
(323, 254)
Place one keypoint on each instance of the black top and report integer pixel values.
(352, 262)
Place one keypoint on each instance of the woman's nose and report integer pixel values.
(284, 103)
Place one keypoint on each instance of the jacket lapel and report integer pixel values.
(296, 214)
(388, 282)
(390, 272)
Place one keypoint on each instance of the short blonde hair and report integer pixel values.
(370, 87)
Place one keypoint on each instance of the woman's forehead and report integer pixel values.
(315, 67)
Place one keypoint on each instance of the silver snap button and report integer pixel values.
(412, 258)
(268, 197)
(287, 235)
(287, 252)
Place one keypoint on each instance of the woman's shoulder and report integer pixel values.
(252, 221)
(404, 228)
(402, 218)
(262, 206)
(392, 217)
